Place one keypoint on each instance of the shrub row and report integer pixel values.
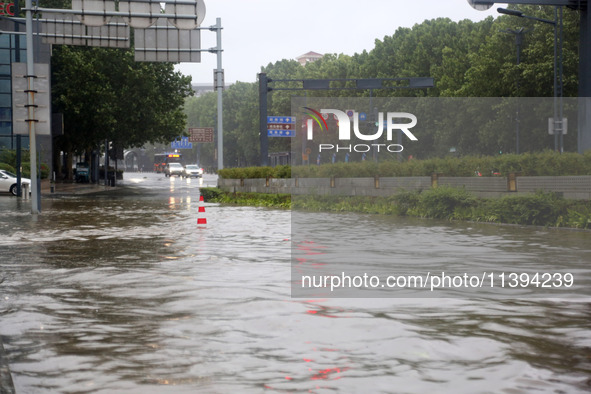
(44, 169)
(542, 209)
(212, 194)
(8, 163)
(283, 171)
(526, 164)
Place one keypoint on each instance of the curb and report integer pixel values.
(6, 383)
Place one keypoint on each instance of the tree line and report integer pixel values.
(465, 58)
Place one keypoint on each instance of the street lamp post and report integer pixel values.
(519, 33)
(558, 109)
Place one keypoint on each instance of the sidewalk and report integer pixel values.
(73, 188)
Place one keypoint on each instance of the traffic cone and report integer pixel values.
(203, 220)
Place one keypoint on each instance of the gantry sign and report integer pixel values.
(584, 124)
(326, 84)
(168, 35)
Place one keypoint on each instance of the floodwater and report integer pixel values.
(124, 293)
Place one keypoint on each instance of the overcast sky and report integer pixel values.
(258, 32)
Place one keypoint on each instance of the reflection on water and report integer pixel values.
(112, 295)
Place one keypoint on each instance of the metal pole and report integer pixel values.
(18, 165)
(220, 87)
(31, 108)
(556, 79)
(560, 87)
(518, 41)
(264, 140)
(584, 111)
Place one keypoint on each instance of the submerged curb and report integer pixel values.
(6, 383)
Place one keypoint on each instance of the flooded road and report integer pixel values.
(122, 292)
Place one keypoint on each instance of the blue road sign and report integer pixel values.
(281, 119)
(362, 116)
(281, 133)
(182, 144)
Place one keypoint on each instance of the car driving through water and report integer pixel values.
(173, 169)
(193, 170)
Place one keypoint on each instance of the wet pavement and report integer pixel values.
(120, 291)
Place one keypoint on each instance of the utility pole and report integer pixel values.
(219, 84)
(264, 139)
(35, 197)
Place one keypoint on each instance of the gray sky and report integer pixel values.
(258, 32)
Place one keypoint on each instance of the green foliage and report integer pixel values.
(255, 172)
(537, 209)
(9, 156)
(465, 58)
(251, 199)
(105, 94)
(7, 167)
(8, 162)
(578, 216)
(406, 202)
(528, 164)
(210, 193)
(445, 203)
(542, 209)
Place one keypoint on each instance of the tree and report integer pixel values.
(105, 95)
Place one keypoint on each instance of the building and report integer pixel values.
(308, 58)
(13, 50)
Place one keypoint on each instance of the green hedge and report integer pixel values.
(283, 171)
(542, 209)
(212, 194)
(8, 158)
(7, 167)
(526, 164)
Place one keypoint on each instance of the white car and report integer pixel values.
(174, 169)
(193, 170)
(8, 182)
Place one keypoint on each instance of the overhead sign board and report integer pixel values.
(66, 29)
(162, 42)
(201, 134)
(20, 112)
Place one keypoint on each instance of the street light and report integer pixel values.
(557, 23)
(519, 33)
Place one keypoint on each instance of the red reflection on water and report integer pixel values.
(327, 374)
(326, 311)
(309, 247)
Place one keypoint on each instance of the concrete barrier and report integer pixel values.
(571, 187)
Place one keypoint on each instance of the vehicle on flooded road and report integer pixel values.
(192, 170)
(8, 182)
(173, 169)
